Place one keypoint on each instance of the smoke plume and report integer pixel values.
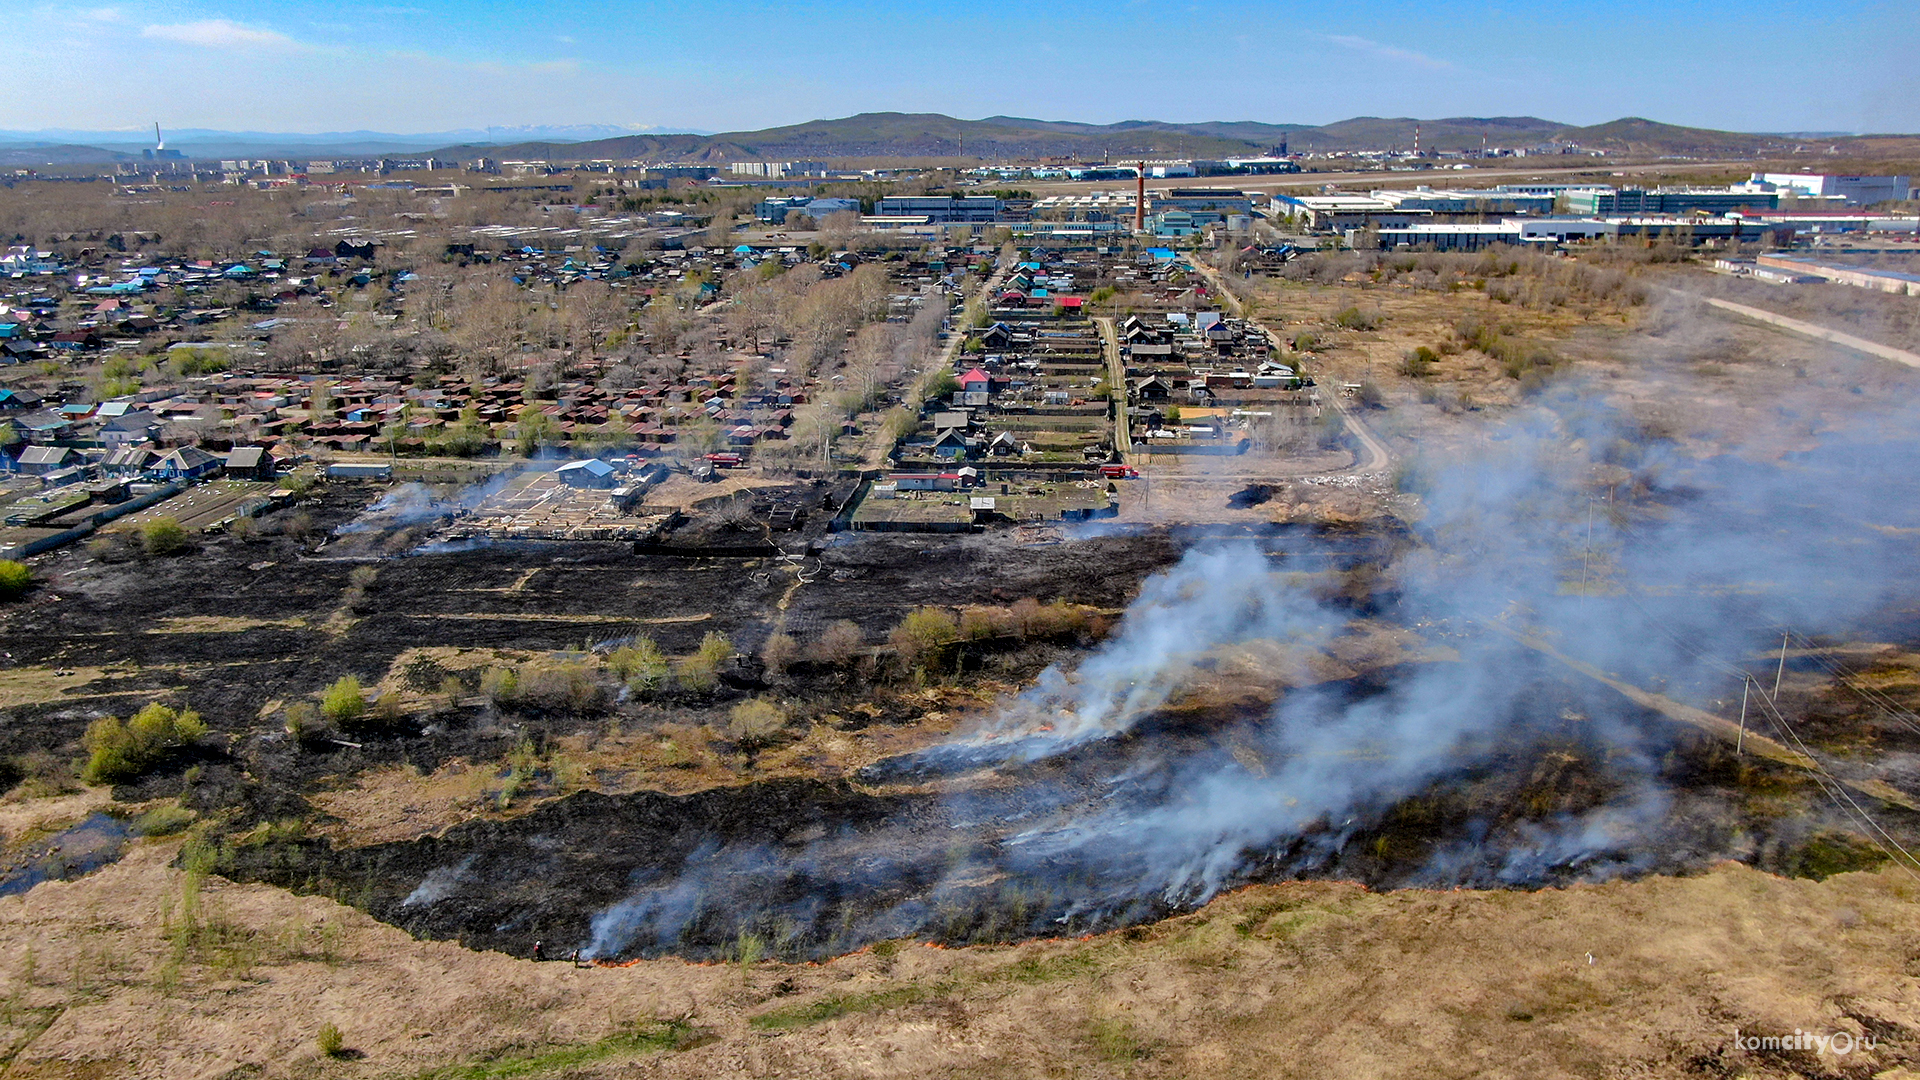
(1093, 808)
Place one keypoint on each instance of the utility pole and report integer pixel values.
(1746, 684)
(1782, 670)
(1586, 559)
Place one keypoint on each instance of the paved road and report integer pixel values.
(1374, 455)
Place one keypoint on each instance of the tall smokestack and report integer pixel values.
(1416, 140)
(158, 142)
(1140, 199)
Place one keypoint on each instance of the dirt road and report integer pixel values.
(1807, 329)
(1374, 455)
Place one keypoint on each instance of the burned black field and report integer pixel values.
(1311, 717)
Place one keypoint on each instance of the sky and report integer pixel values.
(735, 65)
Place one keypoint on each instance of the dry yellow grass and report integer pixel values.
(1649, 978)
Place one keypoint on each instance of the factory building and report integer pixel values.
(1848, 190)
(942, 209)
(1468, 202)
(1602, 202)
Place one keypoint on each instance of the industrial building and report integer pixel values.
(1602, 202)
(1848, 190)
(942, 209)
(1460, 236)
(1219, 202)
(1860, 277)
(1468, 202)
(1337, 213)
(777, 170)
(775, 211)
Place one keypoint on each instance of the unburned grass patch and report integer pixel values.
(833, 1006)
(648, 1039)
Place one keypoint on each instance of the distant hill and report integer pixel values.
(925, 135)
(869, 135)
(1633, 135)
(30, 156)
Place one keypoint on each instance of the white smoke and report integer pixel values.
(1660, 578)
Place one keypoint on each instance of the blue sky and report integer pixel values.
(427, 65)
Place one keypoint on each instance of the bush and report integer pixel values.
(163, 536)
(837, 644)
(924, 634)
(500, 684)
(977, 623)
(1416, 363)
(331, 1042)
(1305, 341)
(118, 752)
(1355, 319)
(559, 686)
(303, 723)
(701, 671)
(639, 665)
(779, 653)
(756, 722)
(343, 702)
(15, 577)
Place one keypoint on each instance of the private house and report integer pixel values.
(249, 463)
(976, 382)
(40, 426)
(950, 446)
(129, 460)
(129, 428)
(185, 463)
(41, 460)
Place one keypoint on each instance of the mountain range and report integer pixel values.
(898, 135)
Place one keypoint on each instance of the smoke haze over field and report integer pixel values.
(1692, 564)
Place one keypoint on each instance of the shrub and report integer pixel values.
(330, 1041)
(977, 623)
(118, 752)
(1370, 394)
(837, 644)
(500, 684)
(15, 577)
(1354, 319)
(163, 536)
(1416, 363)
(701, 671)
(779, 653)
(558, 686)
(639, 665)
(924, 634)
(303, 723)
(1305, 341)
(756, 722)
(344, 701)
